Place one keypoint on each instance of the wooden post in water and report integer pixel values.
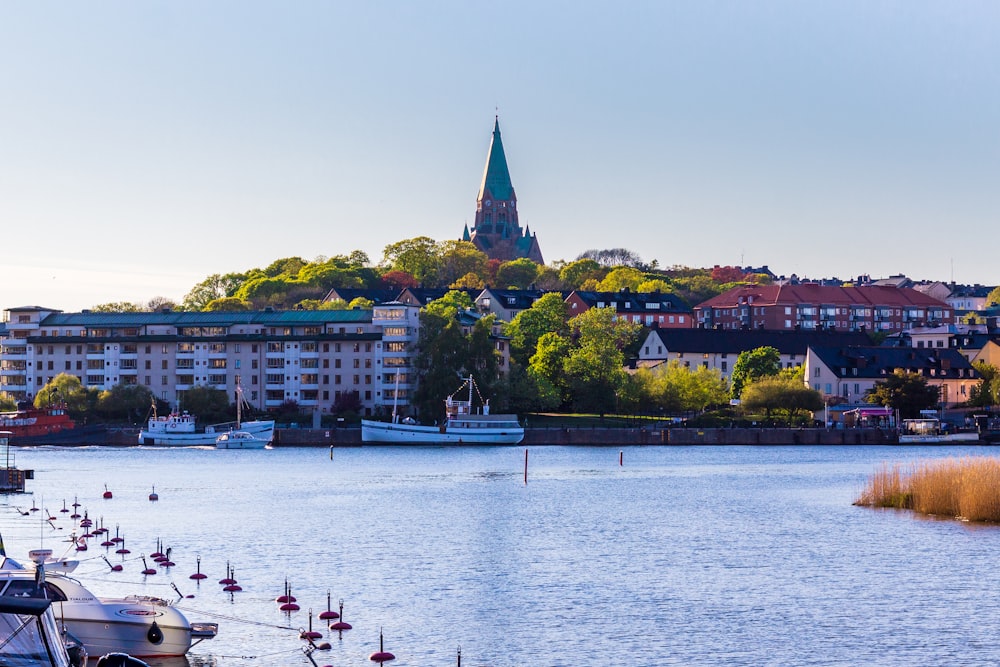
(526, 466)
(621, 457)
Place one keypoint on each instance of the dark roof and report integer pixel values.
(877, 362)
(627, 301)
(766, 295)
(717, 341)
(424, 295)
(221, 318)
(523, 298)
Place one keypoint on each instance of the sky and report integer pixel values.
(147, 145)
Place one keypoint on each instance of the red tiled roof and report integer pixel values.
(770, 295)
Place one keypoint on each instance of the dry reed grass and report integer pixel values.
(968, 488)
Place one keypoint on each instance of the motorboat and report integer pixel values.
(240, 437)
(141, 626)
(461, 425)
(180, 429)
(929, 431)
(30, 637)
(241, 440)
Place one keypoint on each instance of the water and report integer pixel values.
(683, 555)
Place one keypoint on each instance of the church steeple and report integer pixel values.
(496, 177)
(496, 230)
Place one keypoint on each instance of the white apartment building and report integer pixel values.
(310, 357)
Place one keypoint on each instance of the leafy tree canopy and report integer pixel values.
(621, 278)
(752, 365)
(575, 273)
(517, 273)
(118, 307)
(547, 314)
(907, 392)
(613, 257)
(781, 394)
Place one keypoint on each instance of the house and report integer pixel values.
(662, 309)
(852, 371)
(811, 307)
(349, 294)
(506, 303)
(719, 348)
(421, 296)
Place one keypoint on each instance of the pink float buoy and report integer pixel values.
(198, 575)
(329, 614)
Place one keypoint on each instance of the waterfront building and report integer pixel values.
(718, 349)
(496, 229)
(851, 372)
(311, 357)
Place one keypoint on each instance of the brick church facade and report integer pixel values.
(496, 230)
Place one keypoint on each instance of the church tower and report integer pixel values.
(496, 230)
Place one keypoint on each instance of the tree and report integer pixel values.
(159, 303)
(518, 273)
(441, 357)
(129, 403)
(727, 274)
(613, 257)
(450, 304)
(399, 279)
(229, 303)
(623, 277)
(458, 259)
(987, 392)
(117, 307)
(593, 369)
(781, 394)
(993, 298)
(65, 389)
(654, 285)
(207, 404)
(575, 273)
(675, 388)
(7, 402)
(548, 313)
(751, 365)
(418, 257)
(907, 392)
(216, 286)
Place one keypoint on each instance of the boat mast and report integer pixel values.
(395, 399)
(239, 403)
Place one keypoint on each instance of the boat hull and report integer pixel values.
(260, 429)
(374, 432)
(119, 626)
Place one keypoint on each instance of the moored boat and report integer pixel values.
(180, 429)
(239, 437)
(460, 426)
(30, 635)
(929, 431)
(31, 422)
(138, 625)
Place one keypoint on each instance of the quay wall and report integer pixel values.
(351, 437)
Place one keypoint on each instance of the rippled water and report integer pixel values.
(683, 555)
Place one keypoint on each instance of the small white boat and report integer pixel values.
(140, 626)
(240, 437)
(928, 431)
(461, 426)
(180, 430)
(241, 440)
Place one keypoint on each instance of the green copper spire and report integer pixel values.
(496, 177)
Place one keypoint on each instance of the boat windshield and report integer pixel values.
(30, 638)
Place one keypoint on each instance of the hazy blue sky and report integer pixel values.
(146, 145)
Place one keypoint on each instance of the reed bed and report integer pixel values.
(967, 488)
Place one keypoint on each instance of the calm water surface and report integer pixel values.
(683, 555)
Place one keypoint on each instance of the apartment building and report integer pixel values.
(808, 307)
(310, 357)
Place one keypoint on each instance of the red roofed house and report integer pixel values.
(809, 306)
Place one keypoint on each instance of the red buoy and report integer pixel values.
(287, 596)
(341, 625)
(148, 569)
(198, 575)
(123, 550)
(228, 580)
(290, 605)
(329, 614)
(381, 655)
(107, 494)
(310, 634)
(64, 510)
(114, 568)
(153, 497)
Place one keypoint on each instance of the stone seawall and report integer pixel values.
(351, 437)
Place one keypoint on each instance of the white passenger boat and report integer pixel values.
(461, 426)
(928, 431)
(181, 429)
(138, 625)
